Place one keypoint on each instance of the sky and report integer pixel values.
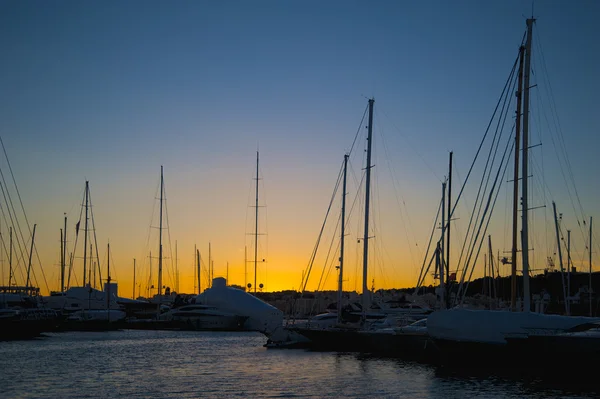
(109, 92)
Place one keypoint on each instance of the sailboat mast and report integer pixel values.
(150, 280)
(85, 232)
(30, 256)
(569, 267)
(176, 271)
(209, 268)
(10, 251)
(515, 215)
(447, 260)
(160, 247)
(63, 264)
(440, 251)
(590, 285)
(199, 269)
(342, 235)
(133, 296)
(245, 267)
(107, 290)
(560, 260)
(365, 299)
(524, 218)
(256, 225)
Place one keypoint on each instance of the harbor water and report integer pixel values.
(180, 364)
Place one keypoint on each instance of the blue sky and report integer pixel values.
(109, 91)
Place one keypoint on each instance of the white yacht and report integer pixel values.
(204, 317)
(260, 316)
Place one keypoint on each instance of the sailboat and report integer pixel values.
(464, 335)
(347, 336)
(86, 296)
(236, 308)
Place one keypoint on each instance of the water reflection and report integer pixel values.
(169, 364)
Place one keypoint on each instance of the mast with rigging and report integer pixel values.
(365, 298)
(342, 235)
(524, 214)
(256, 226)
(160, 247)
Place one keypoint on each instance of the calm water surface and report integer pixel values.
(172, 364)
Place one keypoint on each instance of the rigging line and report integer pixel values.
(506, 85)
(396, 192)
(321, 284)
(493, 149)
(500, 179)
(541, 173)
(562, 170)
(16, 227)
(475, 235)
(358, 130)
(171, 273)
(316, 247)
(264, 249)
(559, 127)
(419, 282)
(21, 203)
(426, 271)
(94, 230)
(409, 142)
(75, 245)
(480, 195)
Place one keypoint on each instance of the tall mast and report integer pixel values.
(245, 267)
(107, 290)
(365, 299)
(515, 215)
(30, 256)
(176, 270)
(63, 257)
(590, 285)
(150, 281)
(342, 235)
(209, 268)
(440, 250)
(256, 225)
(10, 248)
(195, 267)
(569, 267)
(85, 232)
(524, 218)
(62, 263)
(560, 259)
(447, 260)
(160, 247)
(199, 270)
(133, 296)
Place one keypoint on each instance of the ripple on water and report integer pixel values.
(172, 364)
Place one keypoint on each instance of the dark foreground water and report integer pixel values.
(170, 364)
